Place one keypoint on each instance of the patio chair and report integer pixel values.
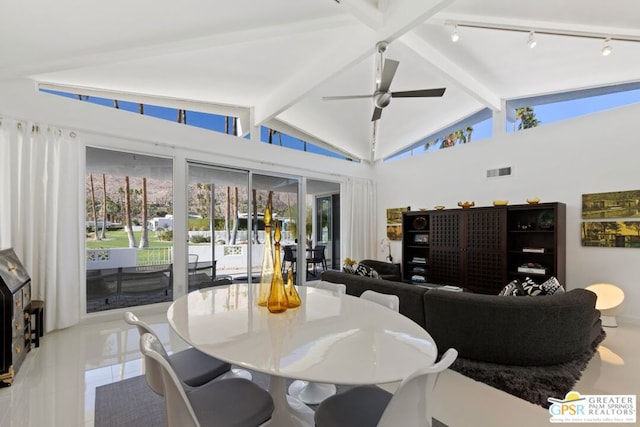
(317, 257)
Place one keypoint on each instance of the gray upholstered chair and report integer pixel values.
(372, 406)
(310, 392)
(388, 300)
(193, 367)
(227, 402)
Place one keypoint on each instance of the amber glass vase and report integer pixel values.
(277, 302)
(266, 274)
(293, 299)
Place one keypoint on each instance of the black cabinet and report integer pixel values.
(536, 241)
(468, 248)
(15, 296)
(482, 249)
(415, 247)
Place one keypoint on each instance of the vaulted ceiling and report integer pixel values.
(270, 62)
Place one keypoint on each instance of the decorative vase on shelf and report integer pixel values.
(277, 301)
(266, 274)
(293, 299)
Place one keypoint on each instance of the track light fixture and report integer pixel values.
(606, 47)
(531, 42)
(454, 34)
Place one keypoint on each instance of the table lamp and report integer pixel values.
(610, 297)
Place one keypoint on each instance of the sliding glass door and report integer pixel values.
(218, 224)
(129, 229)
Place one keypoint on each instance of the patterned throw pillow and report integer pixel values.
(347, 268)
(531, 288)
(513, 288)
(364, 270)
(552, 286)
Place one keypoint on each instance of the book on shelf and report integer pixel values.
(532, 270)
(533, 250)
(419, 260)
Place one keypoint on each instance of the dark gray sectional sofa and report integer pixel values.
(508, 330)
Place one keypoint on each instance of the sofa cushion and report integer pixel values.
(552, 286)
(513, 288)
(531, 288)
(386, 270)
(365, 270)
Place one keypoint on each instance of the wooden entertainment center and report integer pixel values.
(482, 249)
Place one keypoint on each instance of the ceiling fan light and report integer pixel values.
(531, 42)
(606, 47)
(454, 34)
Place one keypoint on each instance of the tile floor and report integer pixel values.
(56, 384)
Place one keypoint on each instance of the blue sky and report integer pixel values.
(545, 113)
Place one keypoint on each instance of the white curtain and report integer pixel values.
(359, 200)
(40, 199)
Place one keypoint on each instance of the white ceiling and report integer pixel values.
(279, 57)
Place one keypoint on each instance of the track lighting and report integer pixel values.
(532, 40)
(454, 34)
(606, 47)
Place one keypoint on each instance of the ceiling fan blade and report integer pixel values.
(337, 98)
(388, 71)
(377, 113)
(424, 93)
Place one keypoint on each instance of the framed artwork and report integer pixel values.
(394, 222)
(611, 234)
(615, 204)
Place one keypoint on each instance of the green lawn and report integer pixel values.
(119, 239)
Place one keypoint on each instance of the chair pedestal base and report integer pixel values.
(310, 392)
(609, 321)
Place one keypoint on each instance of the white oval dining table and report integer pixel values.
(330, 338)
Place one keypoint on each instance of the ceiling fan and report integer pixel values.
(382, 95)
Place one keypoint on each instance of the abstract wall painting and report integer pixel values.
(615, 204)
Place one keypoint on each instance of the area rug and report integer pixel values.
(131, 403)
(532, 383)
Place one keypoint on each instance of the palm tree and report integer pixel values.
(469, 132)
(182, 116)
(144, 238)
(93, 208)
(103, 234)
(236, 216)
(127, 212)
(527, 118)
(255, 216)
(227, 216)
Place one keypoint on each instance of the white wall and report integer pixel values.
(557, 162)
